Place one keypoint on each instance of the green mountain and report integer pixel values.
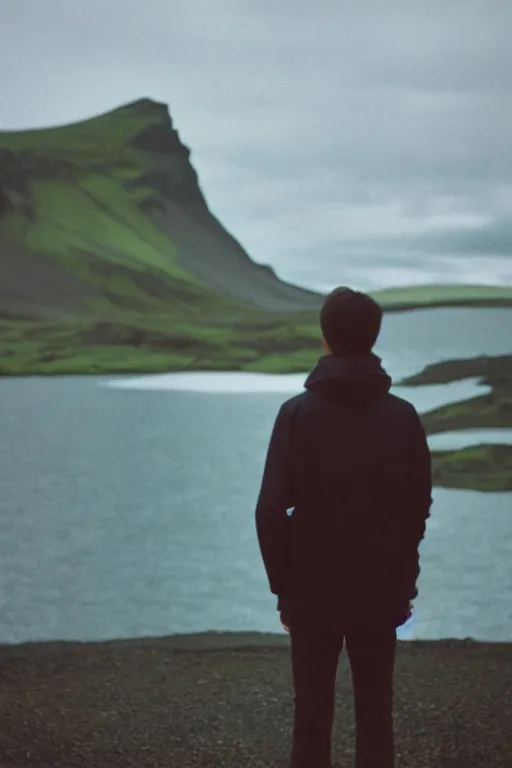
(111, 260)
(109, 213)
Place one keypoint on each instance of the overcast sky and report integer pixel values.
(343, 142)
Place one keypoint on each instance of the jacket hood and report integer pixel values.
(358, 380)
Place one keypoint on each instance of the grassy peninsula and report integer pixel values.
(480, 467)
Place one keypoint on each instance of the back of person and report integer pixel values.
(343, 504)
(360, 466)
(353, 462)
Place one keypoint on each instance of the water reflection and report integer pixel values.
(423, 398)
(453, 441)
(215, 381)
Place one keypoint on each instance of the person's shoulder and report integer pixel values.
(289, 406)
(400, 402)
(391, 402)
(401, 406)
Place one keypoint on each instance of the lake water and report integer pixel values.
(127, 503)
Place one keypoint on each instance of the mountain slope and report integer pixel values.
(114, 212)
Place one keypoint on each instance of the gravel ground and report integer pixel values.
(226, 701)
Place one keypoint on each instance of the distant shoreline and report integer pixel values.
(448, 304)
(435, 296)
(215, 641)
(223, 338)
(103, 357)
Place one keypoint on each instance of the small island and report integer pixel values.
(479, 467)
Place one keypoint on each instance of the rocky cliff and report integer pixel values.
(110, 212)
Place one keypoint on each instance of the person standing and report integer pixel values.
(345, 495)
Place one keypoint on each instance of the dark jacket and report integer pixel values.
(351, 464)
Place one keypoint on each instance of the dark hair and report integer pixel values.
(350, 322)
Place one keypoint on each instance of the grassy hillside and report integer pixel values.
(75, 197)
(91, 278)
(90, 198)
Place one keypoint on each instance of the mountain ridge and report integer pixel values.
(137, 146)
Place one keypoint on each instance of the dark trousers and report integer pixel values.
(314, 656)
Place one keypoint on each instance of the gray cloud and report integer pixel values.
(365, 139)
(493, 238)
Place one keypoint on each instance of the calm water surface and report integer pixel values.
(127, 504)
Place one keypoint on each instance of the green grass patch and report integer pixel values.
(97, 213)
(439, 295)
(101, 138)
(486, 468)
(135, 342)
(485, 412)
(490, 371)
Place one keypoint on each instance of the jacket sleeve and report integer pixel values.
(419, 501)
(275, 498)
